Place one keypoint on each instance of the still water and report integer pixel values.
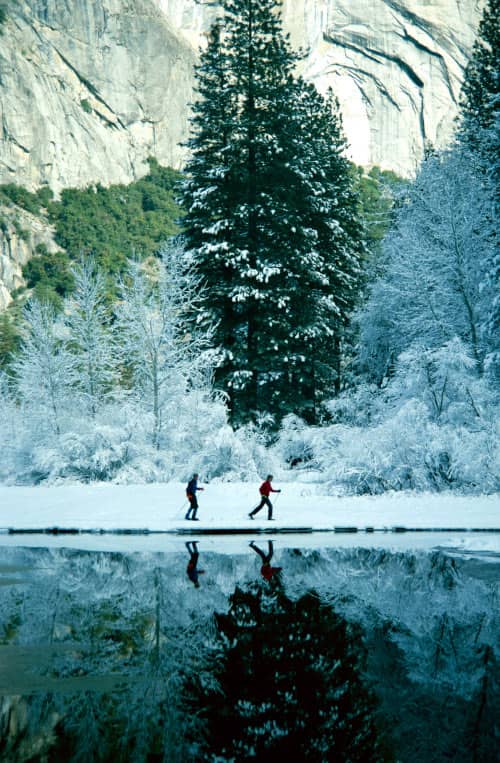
(219, 650)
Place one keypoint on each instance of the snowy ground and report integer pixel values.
(224, 506)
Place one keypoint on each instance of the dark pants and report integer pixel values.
(266, 558)
(264, 501)
(193, 507)
(191, 570)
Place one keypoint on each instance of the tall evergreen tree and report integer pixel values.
(480, 100)
(271, 218)
(479, 130)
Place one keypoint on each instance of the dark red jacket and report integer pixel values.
(267, 571)
(266, 488)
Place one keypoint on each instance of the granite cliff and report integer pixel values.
(90, 88)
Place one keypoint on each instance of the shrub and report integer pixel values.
(20, 196)
(49, 271)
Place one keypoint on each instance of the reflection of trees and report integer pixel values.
(431, 627)
(104, 649)
(289, 684)
(123, 633)
(152, 713)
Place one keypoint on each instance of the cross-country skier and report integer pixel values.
(264, 491)
(191, 490)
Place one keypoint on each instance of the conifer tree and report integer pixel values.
(270, 222)
(480, 100)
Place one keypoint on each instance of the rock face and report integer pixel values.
(20, 234)
(90, 88)
(396, 66)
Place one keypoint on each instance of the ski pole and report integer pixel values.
(180, 510)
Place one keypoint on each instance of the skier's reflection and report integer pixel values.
(192, 570)
(266, 570)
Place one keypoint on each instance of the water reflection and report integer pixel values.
(267, 571)
(315, 654)
(192, 570)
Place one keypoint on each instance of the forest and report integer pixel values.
(272, 306)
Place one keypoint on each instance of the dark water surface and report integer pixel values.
(343, 654)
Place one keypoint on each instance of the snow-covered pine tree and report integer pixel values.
(479, 130)
(270, 217)
(332, 258)
(480, 98)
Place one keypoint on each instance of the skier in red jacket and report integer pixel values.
(264, 491)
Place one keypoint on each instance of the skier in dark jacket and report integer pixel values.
(192, 570)
(191, 490)
(266, 570)
(264, 491)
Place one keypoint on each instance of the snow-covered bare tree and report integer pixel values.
(44, 370)
(10, 431)
(439, 271)
(90, 337)
(161, 350)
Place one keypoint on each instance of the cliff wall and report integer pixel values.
(90, 88)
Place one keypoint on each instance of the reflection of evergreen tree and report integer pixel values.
(289, 684)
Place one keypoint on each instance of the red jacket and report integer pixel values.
(266, 488)
(267, 571)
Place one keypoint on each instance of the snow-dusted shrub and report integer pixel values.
(295, 442)
(356, 407)
(378, 458)
(226, 455)
(434, 426)
(95, 455)
(408, 451)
